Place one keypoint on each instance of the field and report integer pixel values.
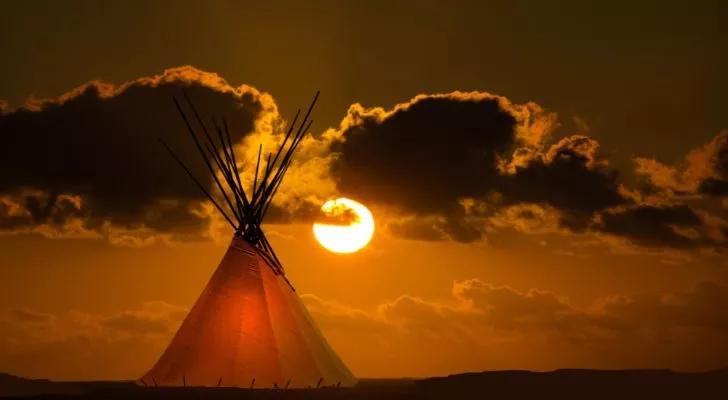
(560, 384)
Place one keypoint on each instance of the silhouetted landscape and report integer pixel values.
(558, 384)
(332, 199)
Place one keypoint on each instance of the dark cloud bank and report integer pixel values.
(447, 163)
(100, 144)
(426, 156)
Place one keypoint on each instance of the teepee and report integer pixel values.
(248, 328)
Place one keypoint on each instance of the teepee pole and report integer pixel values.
(257, 165)
(269, 166)
(234, 160)
(226, 174)
(199, 185)
(232, 168)
(269, 200)
(248, 211)
(269, 249)
(214, 154)
(224, 167)
(302, 129)
(202, 152)
(263, 181)
(229, 172)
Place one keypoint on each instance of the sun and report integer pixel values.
(352, 233)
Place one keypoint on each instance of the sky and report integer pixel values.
(548, 181)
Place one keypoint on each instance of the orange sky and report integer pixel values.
(557, 265)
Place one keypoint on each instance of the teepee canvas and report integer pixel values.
(248, 328)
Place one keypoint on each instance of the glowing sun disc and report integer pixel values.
(345, 238)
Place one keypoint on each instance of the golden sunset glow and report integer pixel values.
(530, 216)
(345, 238)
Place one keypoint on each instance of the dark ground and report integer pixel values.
(560, 384)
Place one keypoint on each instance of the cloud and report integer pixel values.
(652, 225)
(703, 171)
(497, 327)
(452, 165)
(22, 314)
(79, 346)
(569, 177)
(153, 317)
(425, 156)
(480, 326)
(458, 227)
(89, 164)
(339, 214)
(97, 145)
(341, 316)
(528, 218)
(456, 166)
(460, 166)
